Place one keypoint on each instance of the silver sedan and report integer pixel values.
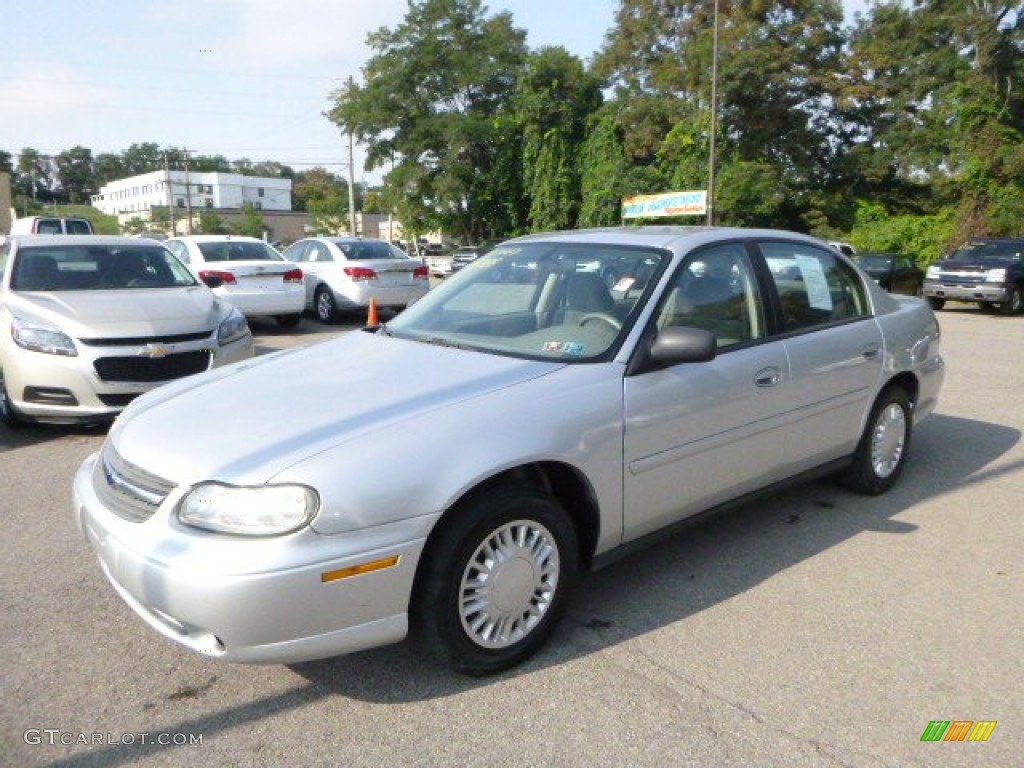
(88, 323)
(559, 402)
(343, 274)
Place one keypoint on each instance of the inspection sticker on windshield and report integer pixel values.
(814, 279)
(624, 284)
(571, 348)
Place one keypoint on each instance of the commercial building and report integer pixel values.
(137, 196)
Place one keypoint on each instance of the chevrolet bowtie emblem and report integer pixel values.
(155, 350)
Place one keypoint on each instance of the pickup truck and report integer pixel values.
(989, 271)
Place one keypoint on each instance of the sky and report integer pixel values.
(239, 78)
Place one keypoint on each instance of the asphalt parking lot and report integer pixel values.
(816, 628)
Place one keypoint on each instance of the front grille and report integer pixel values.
(128, 491)
(130, 341)
(152, 369)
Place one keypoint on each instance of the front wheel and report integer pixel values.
(1013, 303)
(882, 451)
(8, 415)
(936, 303)
(495, 579)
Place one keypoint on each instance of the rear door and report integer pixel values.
(833, 345)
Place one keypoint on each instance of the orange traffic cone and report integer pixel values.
(371, 317)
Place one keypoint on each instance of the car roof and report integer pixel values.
(30, 241)
(663, 236)
(218, 238)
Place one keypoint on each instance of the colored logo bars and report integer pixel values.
(958, 730)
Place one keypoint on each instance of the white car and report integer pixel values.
(88, 323)
(343, 273)
(452, 472)
(247, 273)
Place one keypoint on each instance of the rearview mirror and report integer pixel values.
(683, 345)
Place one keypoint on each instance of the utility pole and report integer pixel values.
(170, 194)
(188, 194)
(351, 187)
(714, 123)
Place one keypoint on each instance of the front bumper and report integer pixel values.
(61, 389)
(989, 292)
(253, 600)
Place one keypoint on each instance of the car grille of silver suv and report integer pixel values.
(129, 492)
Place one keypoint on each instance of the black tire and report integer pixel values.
(1013, 303)
(288, 321)
(883, 448)
(469, 630)
(325, 305)
(8, 415)
(936, 303)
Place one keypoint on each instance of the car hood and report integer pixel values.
(247, 422)
(123, 313)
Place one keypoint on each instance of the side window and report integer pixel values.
(715, 289)
(814, 287)
(319, 253)
(178, 249)
(297, 252)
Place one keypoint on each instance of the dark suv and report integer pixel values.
(989, 271)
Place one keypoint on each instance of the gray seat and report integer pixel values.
(585, 293)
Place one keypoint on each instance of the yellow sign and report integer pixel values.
(693, 203)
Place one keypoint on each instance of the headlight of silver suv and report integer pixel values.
(266, 510)
(42, 338)
(233, 328)
(933, 272)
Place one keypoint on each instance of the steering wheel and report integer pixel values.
(602, 317)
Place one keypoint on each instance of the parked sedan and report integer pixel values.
(895, 273)
(343, 273)
(590, 414)
(247, 273)
(88, 323)
(467, 254)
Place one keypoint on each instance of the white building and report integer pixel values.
(136, 196)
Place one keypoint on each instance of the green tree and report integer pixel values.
(435, 90)
(555, 96)
(142, 158)
(211, 223)
(77, 173)
(330, 213)
(251, 224)
(109, 167)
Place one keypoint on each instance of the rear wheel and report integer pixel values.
(1013, 303)
(495, 579)
(882, 451)
(936, 303)
(326, 307)
(288, 321)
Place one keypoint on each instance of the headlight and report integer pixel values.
(42, 338)
(267, 510)
(233, 328)
(995, 276)
(933, 272)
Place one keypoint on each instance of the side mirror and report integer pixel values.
(212, 281)
(683, 345)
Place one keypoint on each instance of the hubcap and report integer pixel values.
(887, 440)
(508, 584)
(324, 305)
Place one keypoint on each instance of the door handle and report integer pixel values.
(768, 377)
(871, 351)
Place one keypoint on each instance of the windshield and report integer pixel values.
(570, 302)
(97, 268)
(991, 251)
(238, 250)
